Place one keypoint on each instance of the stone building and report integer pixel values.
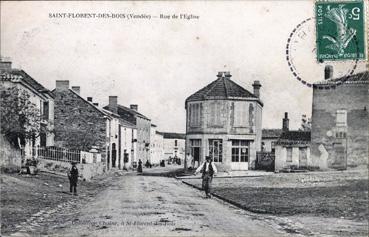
(224, 122)
(80, 124)
(41, 97)
(141, 123)
(174, 145)
(340, 118)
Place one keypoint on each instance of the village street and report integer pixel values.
(134, 205)
(153, 206)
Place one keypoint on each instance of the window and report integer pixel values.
(240, 114)
(341, 118)
(215, 119)
(175, 143)
(195, 114)
(289, 154)
(216, 149)
(240, 151)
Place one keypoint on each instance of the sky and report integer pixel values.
(157, 63)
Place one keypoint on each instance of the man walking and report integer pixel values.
(208, 170)
(73, 178)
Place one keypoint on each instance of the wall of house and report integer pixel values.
(126, 145)
(143, 138)
(114, 141)
(171, 150)
(239, 118)
(281, 157)
(268, 143)
(78, 124)
(227, 148)
(329, 151)
(157, 148)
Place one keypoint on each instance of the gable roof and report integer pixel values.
(222, 88)
(359, 78)
(20, 75)
(295, 137)
(123, 110)
(271, 133)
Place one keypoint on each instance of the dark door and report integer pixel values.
(196, 155)
(113, 155)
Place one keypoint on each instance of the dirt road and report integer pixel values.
(158, 206)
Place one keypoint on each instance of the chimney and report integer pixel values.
(62, 84)
(96, 104)
(76, 89)
(285, 123)
(328, 72)
(89, 99)
(134, 107)
(113, 104)
(256, 86)
(5, 65)
(224, 74)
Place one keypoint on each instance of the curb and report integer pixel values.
(222, 177)
(226, 200)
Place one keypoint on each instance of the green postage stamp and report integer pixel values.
(340, 30)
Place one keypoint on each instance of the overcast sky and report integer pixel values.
(157, 63)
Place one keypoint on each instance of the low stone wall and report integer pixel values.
(10, 157)
(86, 171)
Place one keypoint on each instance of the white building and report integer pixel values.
(174, 145)
(156, 146)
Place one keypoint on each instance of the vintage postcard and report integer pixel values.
(184, 118)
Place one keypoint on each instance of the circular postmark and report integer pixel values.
(302, 61)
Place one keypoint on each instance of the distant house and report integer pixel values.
(141, 123)
(224, 122)
(156, 145)
(41, 97)
(268, 139)
(340, 127)
(122, 141)
(292, 151)
(174, 145)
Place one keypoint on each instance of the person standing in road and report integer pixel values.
(208, 169)
(73, 178)
(139, 168)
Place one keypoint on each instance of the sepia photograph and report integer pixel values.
(184, 118)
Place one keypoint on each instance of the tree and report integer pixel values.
(305, 123)
(21, 120)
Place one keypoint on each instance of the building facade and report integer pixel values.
(340, 118)
(39, 96)
(174, 146)
(292, 151)
(141, 123)
(223, 120)
(269, 138)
